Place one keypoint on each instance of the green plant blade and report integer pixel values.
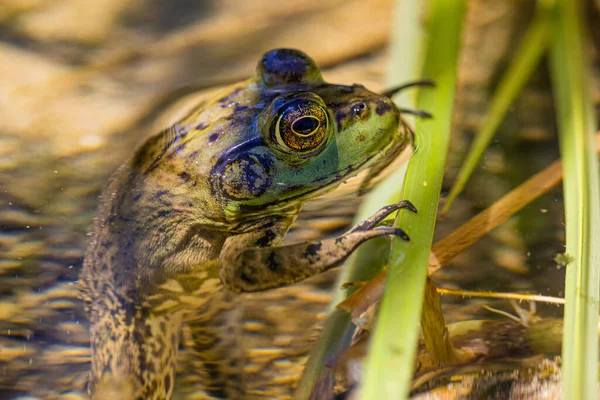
(362, 266)
(569, 71)
(527, 57)
(389, 364)
(370, 257)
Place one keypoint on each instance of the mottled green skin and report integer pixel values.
(206, 202)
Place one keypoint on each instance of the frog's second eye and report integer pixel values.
(301, 126)
(287, 66)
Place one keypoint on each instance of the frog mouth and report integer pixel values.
(381, 161)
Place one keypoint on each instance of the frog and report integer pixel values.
(202, 208)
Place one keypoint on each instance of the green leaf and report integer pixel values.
(569, 70)
(388, 369)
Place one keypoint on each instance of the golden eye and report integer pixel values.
(302, 126)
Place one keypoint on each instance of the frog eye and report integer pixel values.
(302, 126)
(287, 66)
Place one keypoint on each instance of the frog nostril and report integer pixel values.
(360, 109)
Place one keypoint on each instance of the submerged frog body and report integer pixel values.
(202, 207)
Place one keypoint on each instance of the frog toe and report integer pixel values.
(377, 218)
(392, 231)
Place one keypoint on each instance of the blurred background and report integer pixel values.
(83, 83)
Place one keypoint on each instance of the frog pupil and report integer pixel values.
(305, 125)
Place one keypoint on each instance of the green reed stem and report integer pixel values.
(389, 365)
(569, 69)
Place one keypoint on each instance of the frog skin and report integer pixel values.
(202, 207)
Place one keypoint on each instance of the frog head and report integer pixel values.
(306, 137)
(266, 145)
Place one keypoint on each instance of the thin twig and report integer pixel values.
(503, 295)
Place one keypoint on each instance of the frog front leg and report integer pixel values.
(247, 265)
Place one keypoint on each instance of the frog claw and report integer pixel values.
(393, 232)
(408, 205)
(380, 215)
